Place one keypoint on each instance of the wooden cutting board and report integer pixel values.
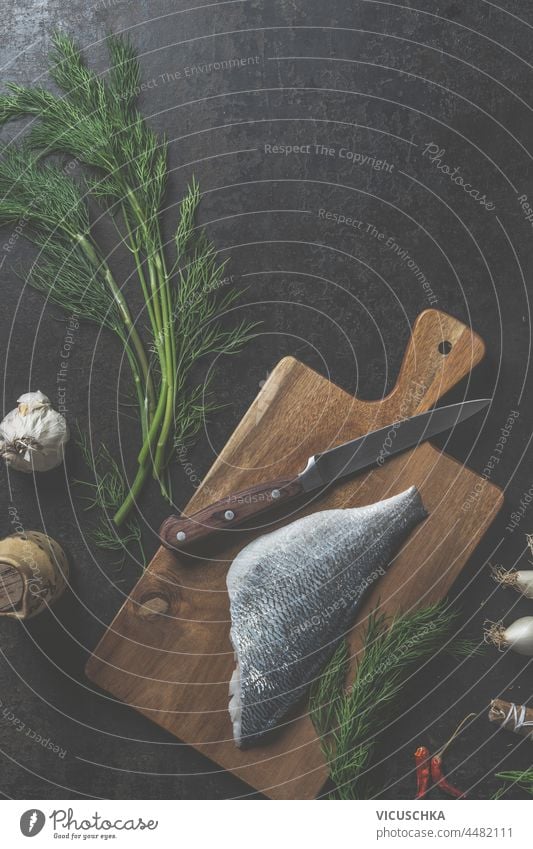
(167, 652)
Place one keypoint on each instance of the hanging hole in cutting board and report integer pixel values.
(444, 348)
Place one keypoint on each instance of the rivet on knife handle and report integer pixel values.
(183, 531)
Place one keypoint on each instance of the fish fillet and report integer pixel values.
(294, 594)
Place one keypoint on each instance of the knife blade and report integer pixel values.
(322, 470)
(374, 447)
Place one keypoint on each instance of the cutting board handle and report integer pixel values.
(441, 351)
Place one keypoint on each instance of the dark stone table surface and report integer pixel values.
(379, 97)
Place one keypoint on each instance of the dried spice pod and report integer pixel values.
(33, 574)
(516, 718)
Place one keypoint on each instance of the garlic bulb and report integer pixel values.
(33, 435)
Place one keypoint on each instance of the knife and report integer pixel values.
(322, 470)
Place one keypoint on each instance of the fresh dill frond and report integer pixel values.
(523, 779)
(53, 213)
(326, 696)
(105, 493)
(106, 535)
(67, 279)
(186, 221)
(198, 305)
(40, 194)
(500, 792)
(348, 720)
(466, 647)
(95, 120)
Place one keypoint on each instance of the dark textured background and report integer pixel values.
(382, 79)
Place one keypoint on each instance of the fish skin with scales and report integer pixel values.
(294, 593)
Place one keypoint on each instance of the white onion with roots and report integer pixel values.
(518, 636)
(521, 581)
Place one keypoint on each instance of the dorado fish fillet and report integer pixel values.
(294, 593)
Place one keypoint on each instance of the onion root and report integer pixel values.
(505, 577)
(494, 633)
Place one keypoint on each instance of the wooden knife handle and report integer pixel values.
(183, 531)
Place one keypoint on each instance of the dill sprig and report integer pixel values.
(106, 492)
(466, 647)
(524, 780)
(95, 119)
(69, 268)
(348, 721)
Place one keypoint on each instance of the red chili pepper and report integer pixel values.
(441, 781)
(422, 761)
